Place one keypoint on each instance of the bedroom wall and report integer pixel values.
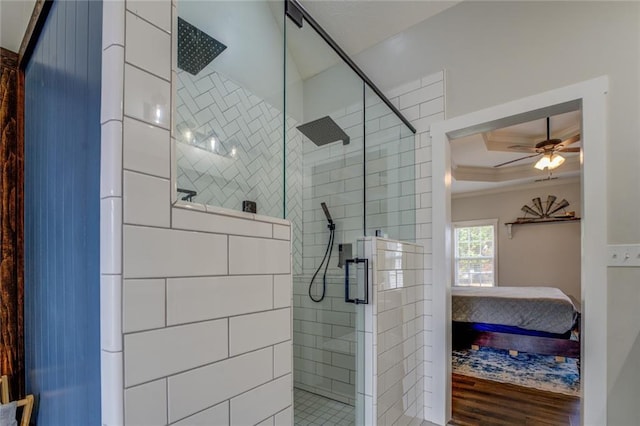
(539, 254)
(496, 52)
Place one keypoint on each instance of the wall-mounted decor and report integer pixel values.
(552, 211)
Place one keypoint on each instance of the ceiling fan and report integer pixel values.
(548, 148)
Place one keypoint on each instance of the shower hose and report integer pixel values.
(327, 258)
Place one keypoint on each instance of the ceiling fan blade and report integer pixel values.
(522, 148)
(573, 139)
(518, 159)
(568, 150)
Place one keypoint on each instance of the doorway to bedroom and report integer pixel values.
(590, 98)
(515, 268)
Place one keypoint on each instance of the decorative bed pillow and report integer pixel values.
(8, 414)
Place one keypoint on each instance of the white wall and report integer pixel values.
(538, 254)
(195, 301)
(496, 52)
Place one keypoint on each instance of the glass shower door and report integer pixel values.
(325, 203)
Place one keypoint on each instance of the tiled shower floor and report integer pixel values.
(313, 409)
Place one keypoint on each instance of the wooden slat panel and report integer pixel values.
(62, 211)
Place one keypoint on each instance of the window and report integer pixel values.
(474, 253)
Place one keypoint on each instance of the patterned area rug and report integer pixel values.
(530, 370)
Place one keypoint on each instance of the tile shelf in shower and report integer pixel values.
(222, 211)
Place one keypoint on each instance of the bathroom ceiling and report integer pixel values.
(14, 17)
(473, 157)
(359, 24)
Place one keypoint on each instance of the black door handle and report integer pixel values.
(347, 298)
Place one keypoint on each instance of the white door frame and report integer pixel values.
(590, 96)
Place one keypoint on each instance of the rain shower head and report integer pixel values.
(196, 49)
(323, 131)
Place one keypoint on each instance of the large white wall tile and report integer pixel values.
(146, 405)
(282, 232)
(262, 402)
(158, 12)
(153, 354)
(193, 220)
(147, 97)
(140, 35)
(110, 308)
(144, 305)
(253, 331)
(146, 200)
(282, 359)
(217, 415)
(111, 159)
(111, 236)
(154, 252)
(285, 417)
(146, 148)
(195, 390)
(112, 80)
(266, 256)
(197, 299)
(282, 291)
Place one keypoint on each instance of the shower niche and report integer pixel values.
(270, 110)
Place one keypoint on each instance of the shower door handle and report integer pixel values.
(347, 298)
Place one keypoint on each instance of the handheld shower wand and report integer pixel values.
(328, 251)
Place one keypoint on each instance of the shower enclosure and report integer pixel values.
(271, 111)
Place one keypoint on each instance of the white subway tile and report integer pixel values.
(253, 331)
(282, 291)
(146, 148)
(284, 418)
(113, 23)
(112, 83)
(266, 422)
(261, 402)
(266, 256)
(405, 88)
(432, 107)
(144, 305)
(216, 415)
(194, 390)
(424, 124)
(153, 354)
(140, 36)
(432, 78)
(158, 12)
(111, 388)
(281, 232)
(207, 222)
(146, 405)
(111, 313)
(111, 160)
(282, 359)
(154, 252)
(146, 200)
(197, 299)
(423, 94)
(111, 236)
(147, 97)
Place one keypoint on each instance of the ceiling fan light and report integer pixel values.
(556, 161)
(549, 161)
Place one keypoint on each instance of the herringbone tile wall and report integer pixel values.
(248, 162)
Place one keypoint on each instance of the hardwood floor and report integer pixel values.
(483, 402)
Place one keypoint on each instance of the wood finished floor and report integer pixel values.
(484, 402)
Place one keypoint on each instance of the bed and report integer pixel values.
(541, 320)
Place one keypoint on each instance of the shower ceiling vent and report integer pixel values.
(196, 49)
